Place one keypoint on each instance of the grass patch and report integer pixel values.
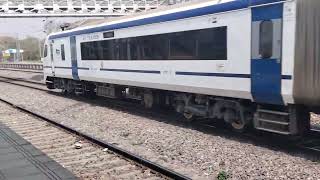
(222, 175)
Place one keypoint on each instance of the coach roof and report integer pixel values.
(166, 14)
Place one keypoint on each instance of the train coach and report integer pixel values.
(246, 62)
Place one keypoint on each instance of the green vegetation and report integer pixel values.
(222, 175)
(30, 45)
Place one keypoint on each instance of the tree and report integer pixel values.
(7, 42)
(30, 45)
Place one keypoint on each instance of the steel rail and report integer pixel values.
(22, 80)
(21, 70)
(23, 85)
(138, 159)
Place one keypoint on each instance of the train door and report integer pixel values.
(51, 58)
(74, 63)
(266, 54)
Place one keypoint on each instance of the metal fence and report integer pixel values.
(22, 66)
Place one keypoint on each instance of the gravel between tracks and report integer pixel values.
(88, 162)
(196, 154)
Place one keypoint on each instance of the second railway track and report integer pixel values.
(22, 80)
(95, 159)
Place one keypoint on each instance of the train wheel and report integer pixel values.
(64, 92)
(188, 116)
(238, 126)
(50, 85)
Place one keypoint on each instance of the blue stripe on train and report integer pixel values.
(218, 8)
(213, 74)
(259, 2)
(179, 73)
(132, 70)
(83, 68)
(267, 12)
(284, 77)
(239, 4)
(62, 67)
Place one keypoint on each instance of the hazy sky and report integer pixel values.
(23, 27)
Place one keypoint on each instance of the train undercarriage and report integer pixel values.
(240, 114)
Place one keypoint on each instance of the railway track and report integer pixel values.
(22, 80)
(23, 70)
(308, 145)
(24, 83)
(96, 159)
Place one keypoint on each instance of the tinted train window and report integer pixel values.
(182, 45)
(212, 44)
(133, 53)
(205, 44)
(152, 47)
(103, 49)
(266, 39)
(63, 56)
(97, 50)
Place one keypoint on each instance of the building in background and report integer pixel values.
(12, 55)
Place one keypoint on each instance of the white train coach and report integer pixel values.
(245, 62)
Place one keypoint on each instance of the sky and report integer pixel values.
(23, 27)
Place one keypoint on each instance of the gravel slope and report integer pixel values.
(196, 154)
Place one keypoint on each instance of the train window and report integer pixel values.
(155, 47)
(45, 51)
(63, 56)
(266, 39)
(121, 51)
(182, 45)
(97, 50)
(133, 45)
(108, 34)
(160, 47)
(205, 44)
(212, 44)
(107, 48)
(87, 51)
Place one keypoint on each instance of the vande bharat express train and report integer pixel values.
(246, 62)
